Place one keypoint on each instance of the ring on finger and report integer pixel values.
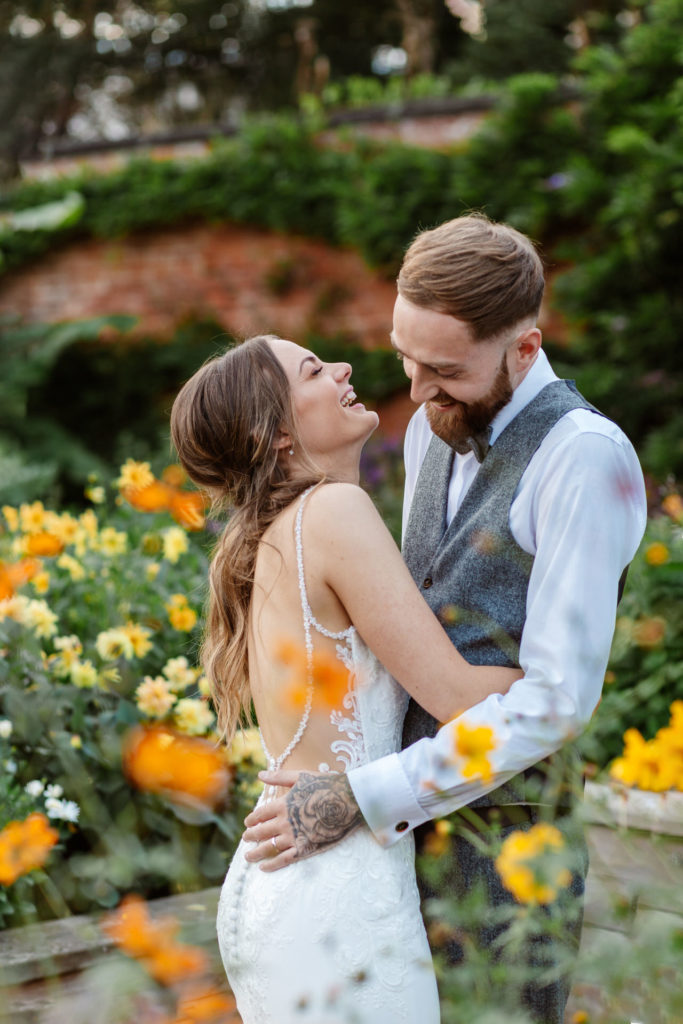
(275, 846)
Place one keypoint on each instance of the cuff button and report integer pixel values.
(402, 826)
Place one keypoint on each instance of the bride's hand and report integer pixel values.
(318, 811)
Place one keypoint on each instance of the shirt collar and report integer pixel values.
(540, 374)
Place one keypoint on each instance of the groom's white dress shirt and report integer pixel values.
(580, 510)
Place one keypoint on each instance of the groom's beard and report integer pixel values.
(463, 420)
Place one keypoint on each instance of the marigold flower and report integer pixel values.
(134, 475)
(193, 716)
(330, 677)
(41, 582)
(184, 768)
(24, 846)
(174, 475)
(154, 697)
(182, 619)
(529, 866)
(656, 764)
(112, 542)
(154, 497)
(187, 508)
(139, 638)
(672, 505)
(114, 643)
(179, 673)
(133, 930)
(649, 632)
(32, 517)
(205, 1002)
(473, 744)
(656, 553)
(16, 574)
(83, 674)
(43, 544)
(175, 543)
(11, 517)
(171, 964)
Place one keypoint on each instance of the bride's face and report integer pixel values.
(329, 418)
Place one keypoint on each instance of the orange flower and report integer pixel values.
(187, 508)
(133, 930)
(15, 574)
(24, 846)
(154, 497)
(673, 506)
(183, 768)
(330, 677)
(43, 544)
(174, 475)
(205, 1003)
(649, 632)
(657, 553)
(174, 963)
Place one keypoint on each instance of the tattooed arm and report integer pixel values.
(318, 811)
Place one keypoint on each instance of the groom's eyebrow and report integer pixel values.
(431, 366)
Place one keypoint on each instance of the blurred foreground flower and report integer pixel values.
(531, 864)
(655, 764)
(330, 677)
(153, 942)
(185, 769)
(144, 492)
(472, 744)
(24, 846)
(15, 574)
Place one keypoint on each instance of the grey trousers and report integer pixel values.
(463, 870)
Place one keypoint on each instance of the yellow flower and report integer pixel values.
(154, 697)
(179, 673)
(88, 521)
(11, 517)
(66, 527)
(657, 553)
(76, 742)
(175, 543)
(41, 582)
(112, 542)
(204, 686)
(95, 494)
(139, 637)
(193, 716)
(32, 517)
(41, 619)
(529, 865)
(114, 643)
(672, 505)
(70, 648)
(246, 746)
(72, 566)
(83, 674)
(152, 570)
(135, 475)
(656, 764)
(180, 615)
(473, 744)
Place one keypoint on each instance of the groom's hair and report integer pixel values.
(487, 274)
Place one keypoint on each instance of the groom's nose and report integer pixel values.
(423, 382)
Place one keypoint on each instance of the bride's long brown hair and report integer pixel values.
(225, 423)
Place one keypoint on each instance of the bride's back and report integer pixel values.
(277, 645)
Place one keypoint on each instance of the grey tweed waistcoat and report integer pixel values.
(473, 574)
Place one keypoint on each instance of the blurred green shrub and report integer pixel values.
(646, 664)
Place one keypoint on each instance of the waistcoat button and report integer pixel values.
(427, 582)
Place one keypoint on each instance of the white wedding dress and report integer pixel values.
(336, 938)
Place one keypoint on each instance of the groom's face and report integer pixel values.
(462, 382)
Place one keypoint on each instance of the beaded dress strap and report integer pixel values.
(275, 763)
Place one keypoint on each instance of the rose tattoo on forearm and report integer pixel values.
(321, 810)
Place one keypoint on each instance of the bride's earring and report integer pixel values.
(291, 451)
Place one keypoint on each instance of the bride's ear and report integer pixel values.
(282, 440)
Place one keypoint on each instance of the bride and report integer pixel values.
(306, 560)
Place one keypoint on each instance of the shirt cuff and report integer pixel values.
(386, 799)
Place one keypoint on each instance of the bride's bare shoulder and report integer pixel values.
(341, 510)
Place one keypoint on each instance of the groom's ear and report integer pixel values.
(526, 347)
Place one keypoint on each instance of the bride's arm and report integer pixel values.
(348, 548)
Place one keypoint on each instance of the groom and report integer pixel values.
(523, 507)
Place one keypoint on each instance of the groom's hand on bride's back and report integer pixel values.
(318, 811)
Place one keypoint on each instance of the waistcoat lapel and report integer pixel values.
(427, 518)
